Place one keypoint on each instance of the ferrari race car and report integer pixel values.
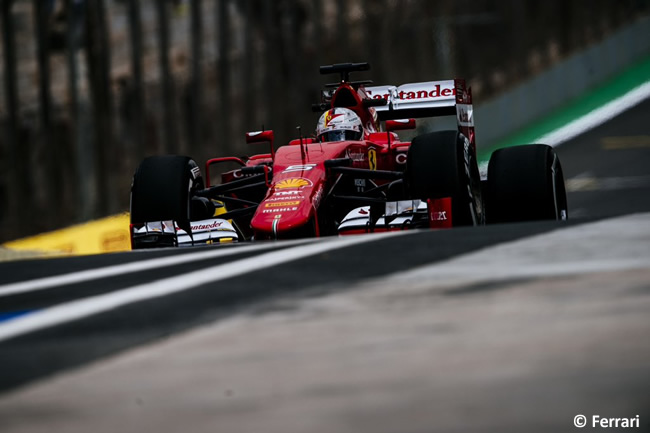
(355, 176)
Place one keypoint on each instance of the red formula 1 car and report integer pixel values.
(354, 176)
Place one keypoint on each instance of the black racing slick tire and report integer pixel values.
(443, 164)
(162, 189)
(525, 183)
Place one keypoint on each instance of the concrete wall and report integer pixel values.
(541, 95)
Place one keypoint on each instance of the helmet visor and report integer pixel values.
(341, 135)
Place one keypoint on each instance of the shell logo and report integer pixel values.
(295, 182)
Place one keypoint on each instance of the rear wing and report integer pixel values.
(428, 99)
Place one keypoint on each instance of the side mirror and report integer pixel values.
(400, 125)
(261, 137)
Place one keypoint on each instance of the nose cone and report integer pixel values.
(288, 206)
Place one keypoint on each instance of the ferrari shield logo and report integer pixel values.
(329, 116)
(372, 159)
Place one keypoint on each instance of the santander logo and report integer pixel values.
(415, 91)
(213, 225)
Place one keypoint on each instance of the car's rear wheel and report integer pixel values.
(162, 190)
(525, 183)
(443, 164)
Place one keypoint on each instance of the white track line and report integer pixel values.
(127, 268)
(75, 310)
(611, 245)
(588, 121)
(597, 116)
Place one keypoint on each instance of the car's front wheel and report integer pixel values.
(525, 183)
(443, 164)
(163, 188)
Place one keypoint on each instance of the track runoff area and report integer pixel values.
(533, 327)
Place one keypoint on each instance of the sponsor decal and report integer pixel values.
(285, 194)
(465, 115)
(294, 182)
(467, 160)
(439, 215)
(213, 225)
(400, 158)
(414, 91)
(372, 159)
(423, 94)
(294, 168)
(318, 197)
(280, 210)
(282, 203)
(196, 172)
(280, 198)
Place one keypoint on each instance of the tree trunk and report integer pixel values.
(81, 194)
(137, 108)
(249, 90)
(273, 74)
(223, 95)
(168, 91)
(343, 32)
(15, 182)
(195, 123)
(98, 57)
(46, 175)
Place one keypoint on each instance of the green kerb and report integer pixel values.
(633, 77)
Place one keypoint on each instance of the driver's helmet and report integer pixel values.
(339, 124)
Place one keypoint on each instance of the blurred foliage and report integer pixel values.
(231, 66)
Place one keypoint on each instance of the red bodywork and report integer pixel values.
(311, 188)
(301, 180)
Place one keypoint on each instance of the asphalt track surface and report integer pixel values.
(392, 334)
